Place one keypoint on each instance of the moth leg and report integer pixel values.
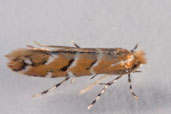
(91, 86)
(52, 88)
(136, 71)
(130, 87)
(102, 83)
(93, 76)
(72, 80)
(76, 45)
(134, 48)
(103, 91)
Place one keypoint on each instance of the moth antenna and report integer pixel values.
(41, 45)
(34, 48)
(38, 44)
(52, 88)
(54, 46)
(103, 91)
(76, 45)
(48, 46)
(130, 87)
(91, 86)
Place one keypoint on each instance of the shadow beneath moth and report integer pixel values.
(64, 61)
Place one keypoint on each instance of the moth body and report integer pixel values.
(79, 61)
(63, 61)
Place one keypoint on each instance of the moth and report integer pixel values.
(68, 62)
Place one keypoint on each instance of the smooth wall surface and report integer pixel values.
(90, 23)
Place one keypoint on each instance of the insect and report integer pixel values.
(69, 62)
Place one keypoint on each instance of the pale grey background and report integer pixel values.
(90, 23)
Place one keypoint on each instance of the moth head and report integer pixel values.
(139, 58)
